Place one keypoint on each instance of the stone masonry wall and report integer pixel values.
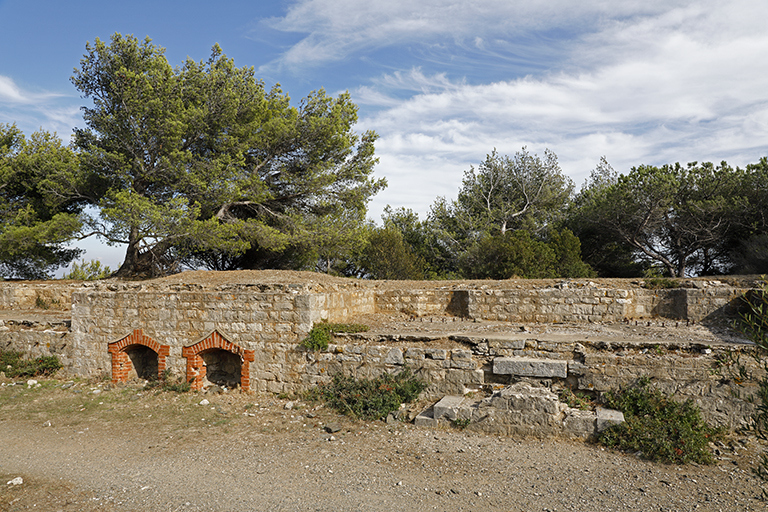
(182, 316)
(271, 320)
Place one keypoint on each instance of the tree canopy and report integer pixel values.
(685, 219)
(202, 161)
(39, 213)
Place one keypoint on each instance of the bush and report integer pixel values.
(320, 336)
(87, 271)
(661, 283)
(370, 399)
(659, 427)
(754, 325)
(14, 365)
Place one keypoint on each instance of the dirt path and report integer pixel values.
(125, 449)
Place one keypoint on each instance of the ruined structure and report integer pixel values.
(243, 329)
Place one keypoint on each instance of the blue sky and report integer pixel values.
(443, 82)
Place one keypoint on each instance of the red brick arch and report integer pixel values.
(196, 368)
(121, 363)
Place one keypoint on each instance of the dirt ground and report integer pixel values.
(86, 446)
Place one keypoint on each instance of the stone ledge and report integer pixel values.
(530, 367)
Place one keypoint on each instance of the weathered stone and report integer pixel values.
(580, 423)
(530, 367)
(607, 418)
(394, 356)
(447, 407)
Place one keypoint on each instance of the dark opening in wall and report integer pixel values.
(223, 368)
(143, 361)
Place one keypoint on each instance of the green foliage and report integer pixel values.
(39, 208)
(518, 254)
(461, 424)
(661, 428)
(320, 335)
(751, 255)
(754, 324)
(661, 283)
(575, 400)
(387, 256)
(14, 365)
(680, 217)
(371, 399)
(230, 174)
(507, 193)
(87, 271)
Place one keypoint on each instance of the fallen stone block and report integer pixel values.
(448, 407)
(607, 418)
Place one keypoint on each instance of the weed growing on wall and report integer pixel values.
(14, 365)
(321, 334)
(661, 283)
(576, 400)
(659, 427)
(369, 399)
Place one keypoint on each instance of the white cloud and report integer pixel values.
(337, 28)
(689, 83)
(31, 111)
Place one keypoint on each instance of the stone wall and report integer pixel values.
(25, 295)
(268, 321)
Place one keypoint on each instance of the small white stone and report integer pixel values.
(31, 382)
(204, 401)
(16, 481)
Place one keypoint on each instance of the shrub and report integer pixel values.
(320, 335)
(14, 365)
(87, 271)
(370, 399)
(661, 283)
(661, 428)
(754, 325)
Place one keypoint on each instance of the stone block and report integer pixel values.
(530, 367)
(394, 356)
(580, 423)
(607, 418)
(448, 407)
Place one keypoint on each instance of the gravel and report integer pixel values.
(126, 449)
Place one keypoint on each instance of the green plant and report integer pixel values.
(575, 400)
(14, 365)
(661, 283)
(461, 424)
(87, 271)
(661, 428)
(369, 399)
(41, 303)
(754, 325)
(320, 336)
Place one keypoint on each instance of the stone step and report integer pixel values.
(530, 367)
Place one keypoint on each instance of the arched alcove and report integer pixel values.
(137, 355)
(209, 351)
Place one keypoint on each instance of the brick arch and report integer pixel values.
(121, 363)
(196, 369)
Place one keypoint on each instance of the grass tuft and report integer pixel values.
(13, 364)
(320, 336)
